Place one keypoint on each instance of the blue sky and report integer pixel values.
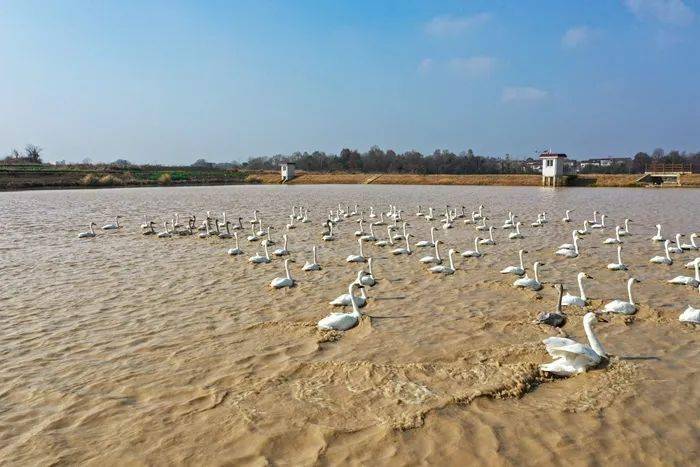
(169, 81)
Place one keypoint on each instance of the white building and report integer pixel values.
(287, 171)
(552, 168)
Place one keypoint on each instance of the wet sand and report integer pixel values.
(127, 349)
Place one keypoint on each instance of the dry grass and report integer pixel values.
(165, 179)
(690, 180)
(504, 180)
(610, 180)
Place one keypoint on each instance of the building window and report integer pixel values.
(550, 162)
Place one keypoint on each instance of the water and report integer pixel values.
(132, 349)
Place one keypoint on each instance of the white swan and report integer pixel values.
(113, 226)
(601, 225)
(371, 212)
(291, 222)
(663, 259)
(687, 280)
(677, 247)
(619, 266)
(381, 219)
(482, 226)
(165, 233)
(567, 218)
(361, 232)
(370, 237)
(658, 237)
(516, 234)
(621, 306)
(368, 278)
(528, 282)
(432, 259)
(252, 237)
(426, 243)
(557, 318)
(475, 253)
(585, 230)
(517, 270)
(691, 245)
(691, 264)
(357, 258)
(569, 246)
(282, 251)
(626, 231)
(567, 252)
(571, 357)
(313, 265)
(345, 299)
(386, 242)
(344, 321)
(90, 233)
(403, 251)
(490, 240)
(258, 259)
(237, 249)
(442, 269)
(280, 282)
(574, 300)
(616, 240)
(690, 315)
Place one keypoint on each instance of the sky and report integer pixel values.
(174, 81)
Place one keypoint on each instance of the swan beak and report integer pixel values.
(590, 277)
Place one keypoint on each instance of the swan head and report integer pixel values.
(92, 223)
(522, 251)
(583, 275)
(591, 318)
(632, 280)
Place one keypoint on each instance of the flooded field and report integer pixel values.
(131, 349)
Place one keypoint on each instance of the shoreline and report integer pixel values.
(50, 180)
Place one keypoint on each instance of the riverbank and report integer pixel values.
(588, 180)
(28, 177)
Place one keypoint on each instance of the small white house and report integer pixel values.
(287, 171)
(552, 168)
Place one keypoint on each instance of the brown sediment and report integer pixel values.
(136, 350)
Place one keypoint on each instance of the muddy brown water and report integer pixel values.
(126, 349)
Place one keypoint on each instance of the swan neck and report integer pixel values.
(593, 340)
(629, 291)
(580, 287)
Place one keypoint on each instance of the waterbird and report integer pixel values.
(344, 321)
(571, 357)
(528, 282)
(621, 306)
(574, 300)
(113, 226)
(517, 270)
(90, 233)
(557, 318)
(281, 282)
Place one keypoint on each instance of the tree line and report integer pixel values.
(377, 160)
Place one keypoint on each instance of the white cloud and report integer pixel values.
(576, 37)
(473, 66)
(674, 12)
(425, 65)
(522, 93)
(448, 25)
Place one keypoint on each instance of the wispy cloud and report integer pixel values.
(473, 66)
(673, 12)
(577, 37)
(522, 93)
(450, 26)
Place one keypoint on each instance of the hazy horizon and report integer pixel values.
(171, 82)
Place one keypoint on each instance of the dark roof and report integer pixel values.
(553, 154)
(288, 163)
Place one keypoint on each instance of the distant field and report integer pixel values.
(22, 177)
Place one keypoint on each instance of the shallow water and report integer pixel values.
(133, 349)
